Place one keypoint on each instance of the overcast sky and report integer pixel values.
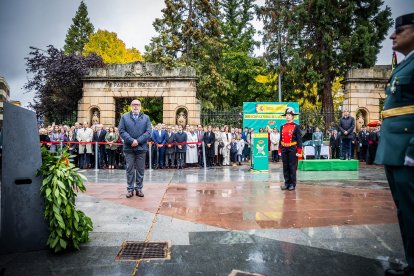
(39, 23)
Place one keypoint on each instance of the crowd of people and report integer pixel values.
(172, 146)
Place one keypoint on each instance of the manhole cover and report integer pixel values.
(235, 272)
(132, 251)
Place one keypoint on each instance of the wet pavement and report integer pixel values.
(226, 219)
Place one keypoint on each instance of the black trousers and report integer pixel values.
(335, 152)
(363, 152)
(290, 161)
(401, 181)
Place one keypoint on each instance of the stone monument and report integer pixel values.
(364, 91)
(176, 87)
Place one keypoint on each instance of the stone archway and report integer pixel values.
(364, 89)
(102, 86)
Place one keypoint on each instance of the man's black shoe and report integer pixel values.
(129, 194)
(283, 187)
(139, 193)
(291, 188)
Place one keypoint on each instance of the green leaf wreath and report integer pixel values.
(61, 182)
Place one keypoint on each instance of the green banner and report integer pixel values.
(262, 114)
(260, 152)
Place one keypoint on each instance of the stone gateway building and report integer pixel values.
(176, 88)
(364, 93)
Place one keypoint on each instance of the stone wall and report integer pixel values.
(363, 90)
(176, 87)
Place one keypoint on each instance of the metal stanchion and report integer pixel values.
(61, 146)
(204, 155)
(96, 156)
(150, 157)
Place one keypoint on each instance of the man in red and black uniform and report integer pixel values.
(290, 148)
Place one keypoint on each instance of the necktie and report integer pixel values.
(227, 135)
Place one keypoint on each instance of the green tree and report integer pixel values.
(319, 40)
(110, 48)
(216, 38)
(79, 31)
(189, 34)
(240, 67)
(57, 80)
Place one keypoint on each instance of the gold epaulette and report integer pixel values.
(398, 111)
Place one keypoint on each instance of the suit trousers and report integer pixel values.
(135, 167)
(289, 160)
(401, 181)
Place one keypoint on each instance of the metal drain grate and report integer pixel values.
(132, 251)
(235, 272)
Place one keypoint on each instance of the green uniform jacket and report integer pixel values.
(397, 133)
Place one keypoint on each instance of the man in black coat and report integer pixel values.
(208, 139)
(346, 126)
(99, 136)
(170, 148)
(180, 138)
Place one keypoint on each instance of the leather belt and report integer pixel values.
(398, 111)
(289, 144)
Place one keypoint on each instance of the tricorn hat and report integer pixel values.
(290, 110)
(404, 20)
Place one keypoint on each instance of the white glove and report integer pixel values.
(408, 161)
(297, 154)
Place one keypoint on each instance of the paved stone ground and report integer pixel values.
(225, 219)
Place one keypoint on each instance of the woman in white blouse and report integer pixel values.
(274, 144)
(226, 137)
(192, 153)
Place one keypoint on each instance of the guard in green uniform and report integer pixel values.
(396, 147)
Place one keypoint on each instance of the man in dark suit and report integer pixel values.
(396, 146)
(99, 136)
(363, 143)
(208, 139)
(346, 126)
(159, 137)
(334, 141)
(180, 138)
(200, 135)
(170, 148)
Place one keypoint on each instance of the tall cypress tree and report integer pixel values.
(79, 31)
(322, 39)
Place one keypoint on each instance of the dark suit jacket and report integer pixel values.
(209, 138)
(180, 138)
(100, 138)
(169, 140)
(157, 138)
(363, 138)
(334, 142)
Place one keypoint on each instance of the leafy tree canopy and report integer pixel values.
(216, 38)
(316, 41)
(56, 80)
(79, 31)
(112, 49)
